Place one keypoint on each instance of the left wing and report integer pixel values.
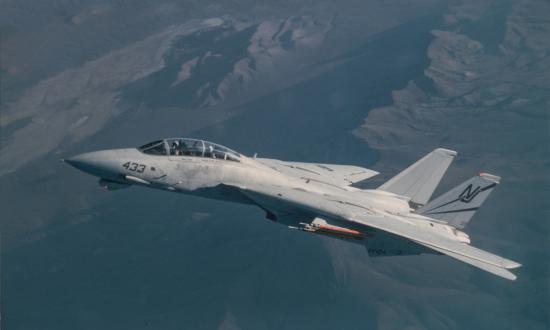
(337, 207)
(340, 175)
(460, 251)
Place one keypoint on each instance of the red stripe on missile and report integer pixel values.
(340, 230)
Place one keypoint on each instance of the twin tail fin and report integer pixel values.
(457, 206)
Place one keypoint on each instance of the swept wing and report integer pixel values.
(339, 175)
(336, 207)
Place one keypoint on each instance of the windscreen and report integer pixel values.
(154, 148)
(190, 147)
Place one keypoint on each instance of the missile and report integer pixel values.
(323, 228)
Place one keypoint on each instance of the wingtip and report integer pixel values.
(512, 264)
(511, 276)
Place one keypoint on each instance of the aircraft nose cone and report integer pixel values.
(81, 162)
(98, 163)
(73, 161)
(106, 164)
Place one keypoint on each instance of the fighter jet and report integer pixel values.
(396, 219)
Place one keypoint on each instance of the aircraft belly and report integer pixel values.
(220, 192)
(378, 243)
(384, 245)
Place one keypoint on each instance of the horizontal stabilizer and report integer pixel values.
(419, 180)
(458, 206)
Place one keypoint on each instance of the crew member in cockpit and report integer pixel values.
(210, 152)
(175, 148)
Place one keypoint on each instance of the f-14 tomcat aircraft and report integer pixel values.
(395, 219)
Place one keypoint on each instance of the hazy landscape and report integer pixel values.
(370, 83)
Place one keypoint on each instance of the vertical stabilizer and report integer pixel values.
(457, 206)
(419, 180)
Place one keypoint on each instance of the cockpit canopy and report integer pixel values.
(189, 147)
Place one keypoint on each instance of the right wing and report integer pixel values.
(336, 207)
